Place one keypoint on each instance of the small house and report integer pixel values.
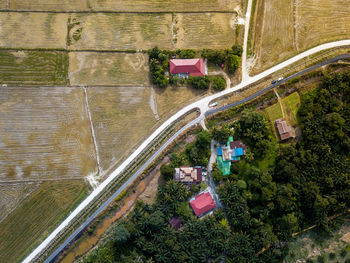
(188, 175)
(188, 67)
(202, 204)
(285, 131)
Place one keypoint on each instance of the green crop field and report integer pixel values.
(36, 216)
(121, 31)
(33, 30)
(291, 105)
(274, 112)
(33, 68)
(91, 68)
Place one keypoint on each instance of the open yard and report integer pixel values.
(205, 30)
(121, 31)
(274, 112)
(49, 5)
(33, 30)
(91, 68)
(165, 5)
(36, 216)
(285, 28)
(33, 67)
(291, 105)
(121, 118)
(45, 133)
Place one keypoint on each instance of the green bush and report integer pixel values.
(343, 253)
(332, 256)
(321, 259)
(219, 83)
(199, 82)
(186, 53)
(232, 63)
(237, 50)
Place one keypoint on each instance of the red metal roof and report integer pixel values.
(202, 203)
(195, 67)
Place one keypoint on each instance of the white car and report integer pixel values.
(213, 105)
(279, 79)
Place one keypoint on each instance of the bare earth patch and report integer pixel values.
(33, 30)
(91, 68)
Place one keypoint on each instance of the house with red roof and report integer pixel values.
(188, 67)
(202, 204)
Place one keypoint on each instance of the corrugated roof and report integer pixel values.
(202, 204)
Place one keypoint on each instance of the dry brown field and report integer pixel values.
(165, 5)
(285, 28)
(123, 31)
(35, 217)
(45, 133)
(3, 4)
(121, 118)
(205, 30)
(49, 5)
(33, 30)
(91, 68)
(13, 194)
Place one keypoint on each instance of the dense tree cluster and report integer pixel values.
(219, 83)
(303, 184)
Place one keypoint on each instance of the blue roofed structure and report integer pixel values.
(219, 151)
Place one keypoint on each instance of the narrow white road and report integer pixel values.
(245, 73)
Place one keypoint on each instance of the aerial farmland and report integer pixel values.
(76, 96)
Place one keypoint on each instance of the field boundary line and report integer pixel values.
(43, 180)
(115, 12)
(87, 108)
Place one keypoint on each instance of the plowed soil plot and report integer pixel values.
(36, 216)
(164, 5)
(33, 30)
(91, 68)
(45, 133)
(49, 5)
(121, 118)
(208, 30)
(121, 31)
(33, 68)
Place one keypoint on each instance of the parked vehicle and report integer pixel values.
(279, 79)
(273, 81)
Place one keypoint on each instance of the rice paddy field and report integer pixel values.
(91, 68)
(165, 5)
(33, 30)
(49, 5)
(208, 30)
(285, 28)
(33, 67)
(123, 31)
(121, 117)
(45, 134)
(36, 216)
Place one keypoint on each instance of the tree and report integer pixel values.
(216, 173)
(199, 82)
(232, 63)
(237, 50)
(167, 172)
(219, 83)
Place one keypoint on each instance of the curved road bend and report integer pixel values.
(202, 104)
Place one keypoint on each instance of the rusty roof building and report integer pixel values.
(285, 131)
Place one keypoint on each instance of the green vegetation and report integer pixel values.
(291, 105)
(274, 112)
(34, 67)
(273, 192)
(36, 216)
(219, 83)
(199, 82)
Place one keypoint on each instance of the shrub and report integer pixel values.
(232, 63)
(242, 184)
(199, 82)
(219, 83)
(186, 53)
(237, 50)
(332, 256)
(343, 253)
(321, 259)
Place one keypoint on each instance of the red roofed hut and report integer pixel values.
(202, 204)
(192, 67)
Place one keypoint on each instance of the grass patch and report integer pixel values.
(37, 216)
(274, 112)
(33, 67)
(291, 105)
